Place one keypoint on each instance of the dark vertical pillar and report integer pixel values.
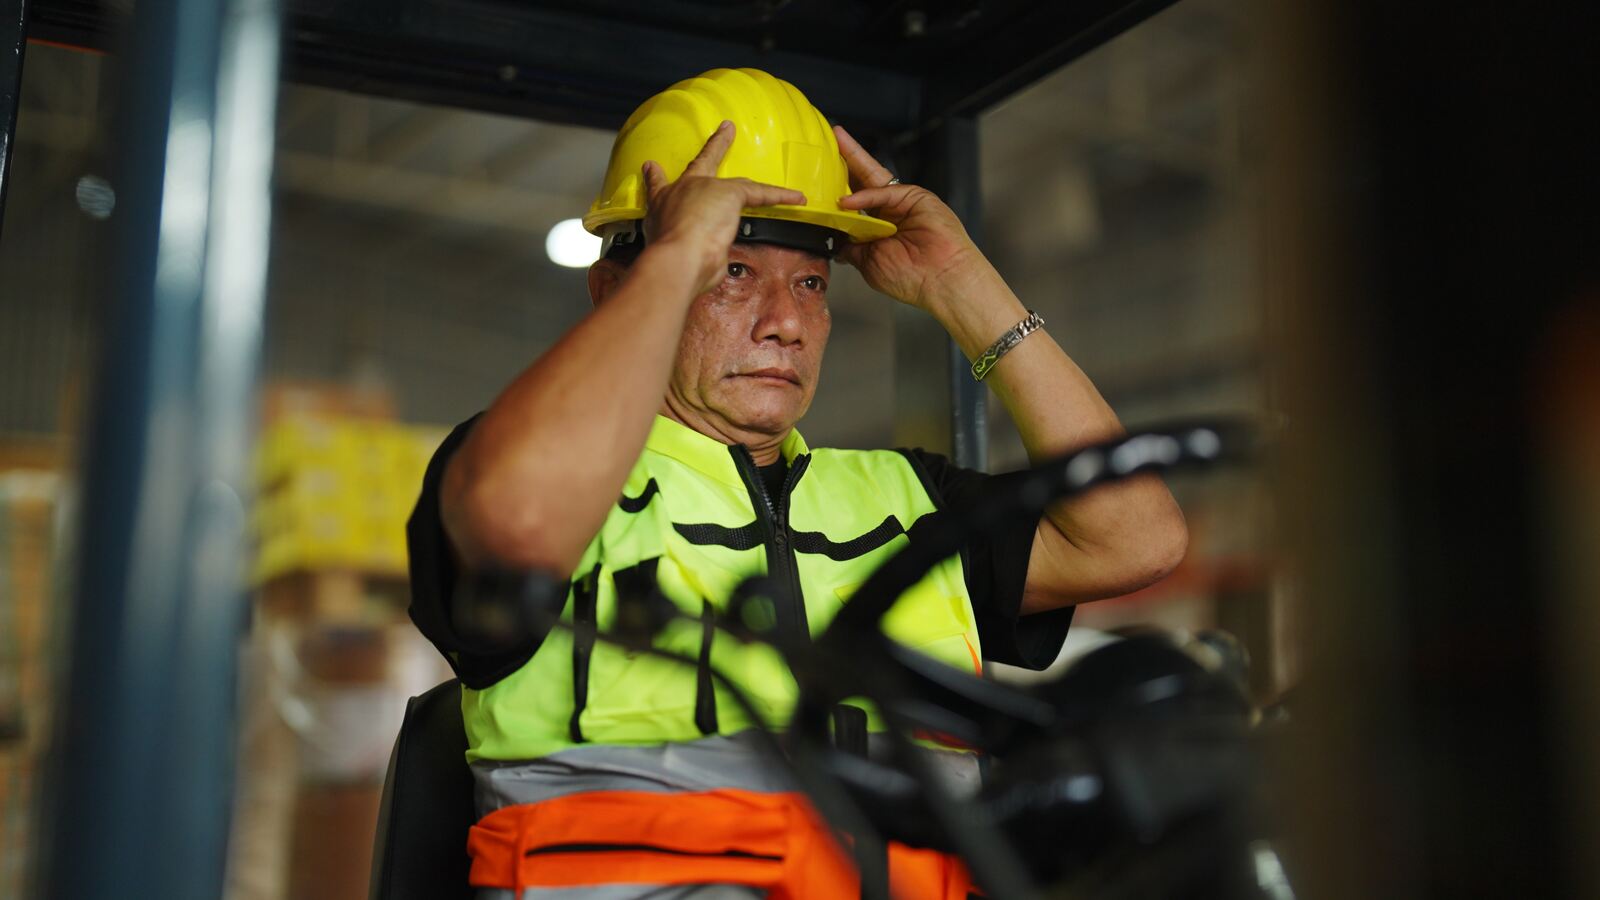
(938, 404)
(141, 770)
(1434, 223)
(13, 40)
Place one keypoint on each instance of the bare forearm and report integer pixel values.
(533, 481)
(1121, 536)
(1055, 406)
(1104, 543)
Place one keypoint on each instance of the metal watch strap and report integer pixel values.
(987, 359)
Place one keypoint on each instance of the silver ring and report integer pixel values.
(893, 179)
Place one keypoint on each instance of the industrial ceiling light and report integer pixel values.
(569, 245)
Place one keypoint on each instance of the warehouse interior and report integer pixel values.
(1222, 212)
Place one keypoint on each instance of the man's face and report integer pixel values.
(752, 346)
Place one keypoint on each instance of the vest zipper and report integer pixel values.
(774, 517)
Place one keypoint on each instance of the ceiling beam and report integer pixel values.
(467, 200)
(538, 146)
(399, 142)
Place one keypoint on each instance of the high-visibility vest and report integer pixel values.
(695, 521)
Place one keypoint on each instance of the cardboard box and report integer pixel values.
(27, 549)
(330, 854)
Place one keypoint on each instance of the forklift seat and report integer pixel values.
(420, 849)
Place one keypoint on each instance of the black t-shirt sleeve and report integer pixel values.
(996, 567)
(434, 574)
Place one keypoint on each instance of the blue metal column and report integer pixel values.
(13, 40)
(140, 783)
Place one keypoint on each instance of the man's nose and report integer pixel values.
(780, 317)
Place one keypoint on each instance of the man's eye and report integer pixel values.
(736, 270)
(815, 283)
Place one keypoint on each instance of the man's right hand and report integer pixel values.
(698, 214)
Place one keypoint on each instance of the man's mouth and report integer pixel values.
(773, 375)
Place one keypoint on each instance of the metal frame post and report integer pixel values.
(936, 390)
(13, 40)
(141, 770)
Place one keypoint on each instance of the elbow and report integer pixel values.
(1162, 551)
(1146, 556)
(505, 534)
(1175, 546)
(1065, 573)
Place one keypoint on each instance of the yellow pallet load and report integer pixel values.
(335, 494)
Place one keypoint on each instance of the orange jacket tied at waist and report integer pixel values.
(772, 841)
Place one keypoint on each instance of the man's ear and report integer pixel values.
(604, 277)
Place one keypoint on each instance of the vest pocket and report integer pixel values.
(633, 694)
(637, 697)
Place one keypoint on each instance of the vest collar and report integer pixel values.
(708, 455)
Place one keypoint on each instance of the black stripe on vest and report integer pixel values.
(746, 537)
(817, 542)
(637, 504)
(585, 594)
(705, 693)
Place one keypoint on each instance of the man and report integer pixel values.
(653, 448)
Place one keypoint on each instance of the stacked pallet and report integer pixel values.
(331, 657)
(28, 514)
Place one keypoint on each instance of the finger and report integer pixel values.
(654, 178)
(849, 254)
(878, 197)
(758, 194)
(865, 171)
(710, 156)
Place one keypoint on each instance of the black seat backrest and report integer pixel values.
(420, 851)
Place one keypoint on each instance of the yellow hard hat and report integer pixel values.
(779, 138)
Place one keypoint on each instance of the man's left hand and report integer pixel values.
(930, 260)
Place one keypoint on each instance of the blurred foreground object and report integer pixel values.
(1432, 217)
(1570, 417)
(140, 766)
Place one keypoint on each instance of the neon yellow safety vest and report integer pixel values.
(695, 520)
